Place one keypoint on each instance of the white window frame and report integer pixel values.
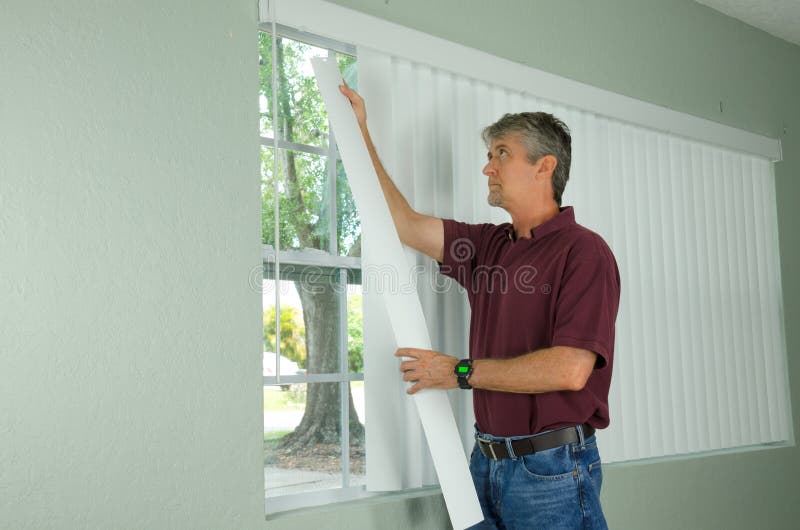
(310, 257)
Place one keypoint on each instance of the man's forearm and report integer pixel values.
(540, 371)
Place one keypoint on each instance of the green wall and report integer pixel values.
(130, 363)
(129, 226)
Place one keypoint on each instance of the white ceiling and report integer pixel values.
(777, 17)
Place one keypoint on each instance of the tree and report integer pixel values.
(355, 336)
(292, 336)
(304, 223)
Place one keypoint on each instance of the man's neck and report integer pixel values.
(523, 224)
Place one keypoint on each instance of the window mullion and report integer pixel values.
(344, 367)
(294, 146)
(334, 239)
(276, 201)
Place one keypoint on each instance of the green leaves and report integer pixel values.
(292, 334)
(304, 198)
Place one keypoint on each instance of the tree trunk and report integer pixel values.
(321, 420)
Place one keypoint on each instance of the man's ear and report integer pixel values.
(547, 164)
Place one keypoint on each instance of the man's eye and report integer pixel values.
(502, 153)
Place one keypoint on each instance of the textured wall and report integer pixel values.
(129, 219)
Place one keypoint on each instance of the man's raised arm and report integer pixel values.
(421, 232)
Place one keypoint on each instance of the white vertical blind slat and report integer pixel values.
(652, 279)
(731, 295)
(770, 222)
(696, 288)
(678, 173)
(691, 292)
(717, 279)
(639, 354)
(423, 140)
(756, 345)
(744, 281)
(703, 166)
(684, 396)
(462, 194)
(624, 348)
(666, 187)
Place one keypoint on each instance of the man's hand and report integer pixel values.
(429, 369)
(359, 108)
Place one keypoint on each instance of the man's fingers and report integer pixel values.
(406, 366)
(406, 352)
(348, 93)
(414, 353)
(416, 388)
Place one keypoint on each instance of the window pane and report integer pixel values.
(347, 65)
(358, 460)
(304, 201)
(292, 330)
(348, 222)
(319, 293)
(355, 340)
(269, 364)
(267, 196)
(310, 296)
(265, 83)
(302, 450)
(301, 113)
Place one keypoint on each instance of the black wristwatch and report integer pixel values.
(463, 371)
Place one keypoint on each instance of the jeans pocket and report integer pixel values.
(552, 464)
(596, 475)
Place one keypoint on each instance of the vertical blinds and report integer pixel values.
(700, 358)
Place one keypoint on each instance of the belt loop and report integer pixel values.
(580, 436)
(510, 449)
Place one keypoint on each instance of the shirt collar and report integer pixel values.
(565, 218)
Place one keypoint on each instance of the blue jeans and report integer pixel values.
(558, 488)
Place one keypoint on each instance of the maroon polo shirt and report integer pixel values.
(560, 287)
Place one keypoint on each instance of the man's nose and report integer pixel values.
(488, 170)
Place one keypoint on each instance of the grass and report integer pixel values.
(274, 436)
(275, 400)
(271, 441)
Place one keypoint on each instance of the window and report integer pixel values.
(313, 359)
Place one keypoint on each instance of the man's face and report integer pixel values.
(510, 173)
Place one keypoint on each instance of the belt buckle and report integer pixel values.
(491, 447)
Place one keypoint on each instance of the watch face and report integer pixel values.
(463, 371)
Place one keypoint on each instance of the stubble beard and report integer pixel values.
(494, 198)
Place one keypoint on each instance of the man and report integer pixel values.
(544, 293)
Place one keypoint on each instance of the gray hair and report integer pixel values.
(541, 134)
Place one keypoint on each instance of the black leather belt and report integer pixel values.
(534, 444)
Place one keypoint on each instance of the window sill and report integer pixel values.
(343, 500)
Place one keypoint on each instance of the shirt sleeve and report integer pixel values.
(587, 304)
(463, 248)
